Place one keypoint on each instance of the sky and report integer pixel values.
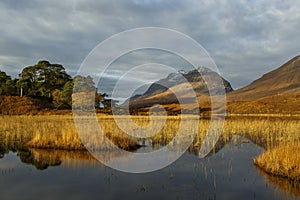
(245, 39)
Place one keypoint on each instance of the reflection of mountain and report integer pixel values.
(43, 158)
(256, 129)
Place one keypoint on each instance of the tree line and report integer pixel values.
(49, 81)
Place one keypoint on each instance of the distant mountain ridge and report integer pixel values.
(276, 92)
(160, 92)
(285, 79)
(181, 77)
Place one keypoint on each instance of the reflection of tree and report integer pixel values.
(3, 150)
(7, 145)
(43, 158)
(26, 156)
(58, 157)
(41, 162)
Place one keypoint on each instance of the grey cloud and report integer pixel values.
(140, 67)
(245, 38)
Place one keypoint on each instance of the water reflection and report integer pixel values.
(227, 173)
(282, 184)
(44, 158)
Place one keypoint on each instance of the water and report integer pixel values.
(228, 174)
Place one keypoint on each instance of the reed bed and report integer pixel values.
(280, 136)
(268, 132)
(59, 132)
(52, 132)
(281, 161)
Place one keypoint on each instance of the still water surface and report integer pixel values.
(228, 174)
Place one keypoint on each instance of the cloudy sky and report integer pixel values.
(244, 38)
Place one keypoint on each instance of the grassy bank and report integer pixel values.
(281, 161)
(59, 132)
(50, 132)
(280, 136)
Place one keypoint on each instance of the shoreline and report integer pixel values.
(282, 161)
(272, 132)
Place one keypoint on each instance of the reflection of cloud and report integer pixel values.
(246, 37)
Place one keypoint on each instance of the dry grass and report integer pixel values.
(280, 136)
(282, 103)
(59, 131)
(268, 132)
(50, 132)
(281, 161)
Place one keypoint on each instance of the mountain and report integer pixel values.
(275, 92)
(285, 79)
(161, 92)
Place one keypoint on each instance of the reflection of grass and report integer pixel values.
(280, 137)
(58, 132)
(281, 183)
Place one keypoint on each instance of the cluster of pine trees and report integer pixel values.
(48, 81)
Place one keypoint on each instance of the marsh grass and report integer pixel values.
(282, 161)
(268, 132)
(50, 132)
(280, 136)
(59, 132)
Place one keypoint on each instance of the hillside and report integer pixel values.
(283, 80)
(275, 92)
(285, 103)
(162, 91)
(14, 105)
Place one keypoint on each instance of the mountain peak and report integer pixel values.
(204, 70)
(160, 92)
